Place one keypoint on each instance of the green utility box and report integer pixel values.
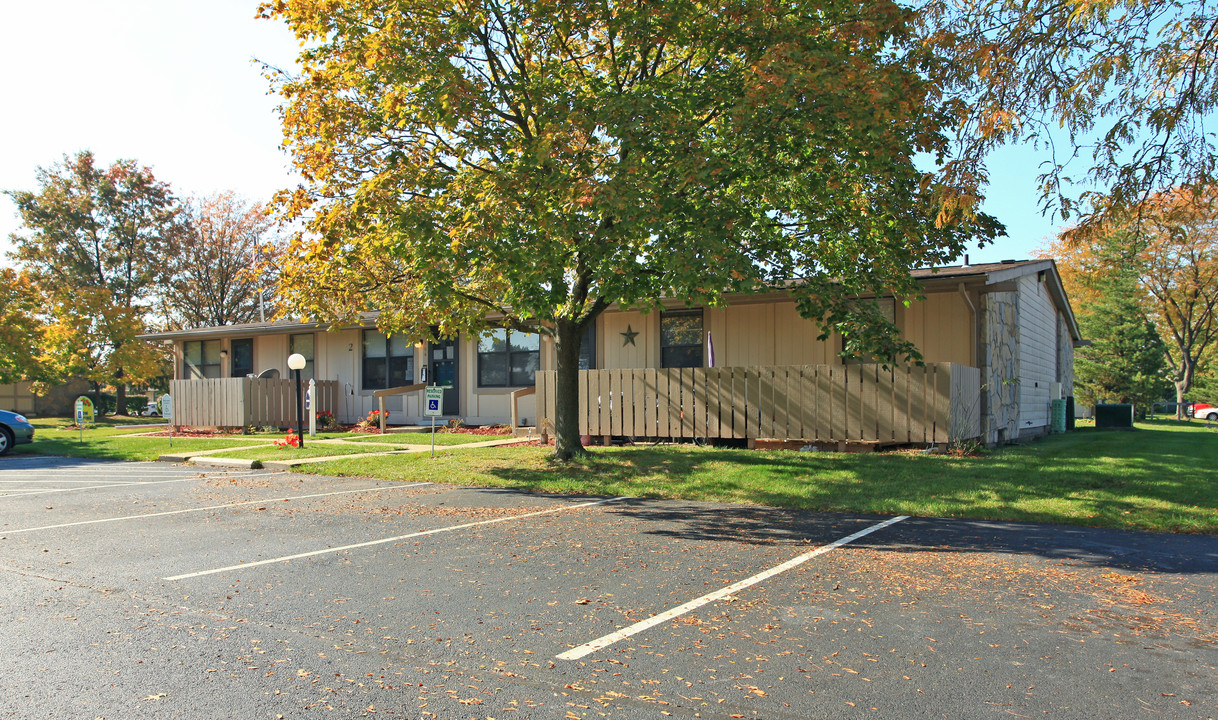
(1116, 416)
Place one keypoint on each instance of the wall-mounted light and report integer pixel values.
(223, 354)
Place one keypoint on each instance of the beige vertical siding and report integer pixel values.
(17, 397)
(612, 347)
(941, 326)
(795, 339)
(1038, 353)
(337, 355)
(746, 337)
(271, 351)
(773, 333)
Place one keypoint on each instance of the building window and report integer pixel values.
(587, 348)
(508, 358)
(242, 354)
(200, 359)
(302, 344)
(388, 361)
(681, 339)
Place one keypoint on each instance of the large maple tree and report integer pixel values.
(532, 163)
(92, 240)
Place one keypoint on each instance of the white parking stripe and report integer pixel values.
(209, 507)
(611, 638)
(398, 538)
(193, 472)
(19, 493)
(108, 485)
(116, 479)
(67, 480)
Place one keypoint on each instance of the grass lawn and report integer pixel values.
(112, 438)
(1158, 477)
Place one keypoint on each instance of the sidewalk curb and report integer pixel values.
(215, 462)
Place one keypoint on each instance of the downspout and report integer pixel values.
(972, 308)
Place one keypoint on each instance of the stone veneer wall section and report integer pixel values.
(1000, 366)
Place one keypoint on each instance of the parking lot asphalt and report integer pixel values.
(137, 590)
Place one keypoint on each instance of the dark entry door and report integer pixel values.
(242, 358)
(442, 357)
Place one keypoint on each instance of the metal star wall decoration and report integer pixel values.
(629, 336)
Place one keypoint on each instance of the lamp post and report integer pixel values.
(296, 363)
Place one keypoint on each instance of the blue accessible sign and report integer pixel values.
(434, 397)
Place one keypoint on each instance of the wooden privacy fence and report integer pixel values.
(937, 403)
(242, 402)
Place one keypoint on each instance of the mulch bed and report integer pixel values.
(188, 432)
(196, 433)
(484, 430)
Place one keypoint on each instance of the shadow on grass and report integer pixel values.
(1153, 479)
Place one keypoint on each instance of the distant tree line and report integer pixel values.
(1146, 288)
(105, 254)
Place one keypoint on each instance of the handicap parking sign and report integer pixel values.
(434, 397)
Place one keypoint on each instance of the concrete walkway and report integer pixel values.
(201, 457)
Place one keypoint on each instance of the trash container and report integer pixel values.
(1117, 416)
(1057, 417)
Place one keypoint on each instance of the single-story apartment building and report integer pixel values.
(20, 398)
(1011, 320)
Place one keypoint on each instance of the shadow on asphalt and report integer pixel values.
(1129, 550)
(19, 460)
(757, 525)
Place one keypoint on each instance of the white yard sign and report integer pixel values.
(434, 400)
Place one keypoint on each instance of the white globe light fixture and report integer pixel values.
(296, 363)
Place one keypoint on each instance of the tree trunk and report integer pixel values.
(567, 443)
(120, 393)
(1183, 385)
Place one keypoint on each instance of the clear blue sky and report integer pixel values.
(173, 84)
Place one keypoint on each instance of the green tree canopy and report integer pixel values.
(20, 328)
(1126, 361)
(541, 160)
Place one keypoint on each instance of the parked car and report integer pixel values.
(14, 430)
(1205, 411)
(151, 410)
